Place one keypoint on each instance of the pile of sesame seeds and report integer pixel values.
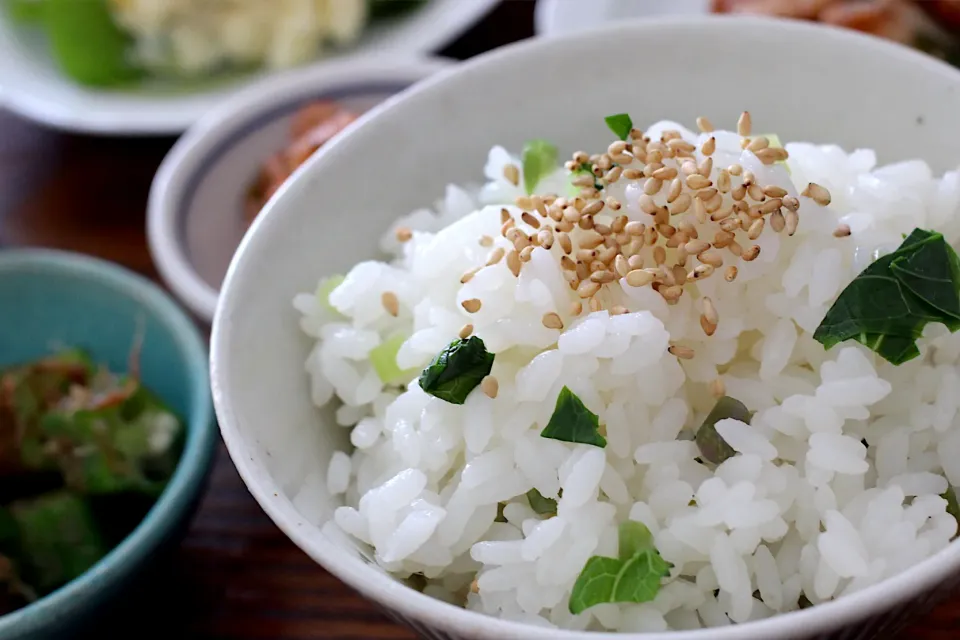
(698, 218)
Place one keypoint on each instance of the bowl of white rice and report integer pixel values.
(643, 330)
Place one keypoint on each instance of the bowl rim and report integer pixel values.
(192, 469)
(221, 130)
(411, 604)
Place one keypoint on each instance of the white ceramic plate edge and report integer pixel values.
(183, 160)
(121, 114)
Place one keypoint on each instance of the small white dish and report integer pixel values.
(32, 86)
(332, 213)
(195, 214)
(556, 17)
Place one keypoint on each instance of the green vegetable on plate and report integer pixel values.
(457, 370)
(543, 506)
(634, 576)
(888, 305)
(573, 422)
(383, 357)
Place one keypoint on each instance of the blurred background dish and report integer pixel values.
(932, 26)
(98, 474)
(224, 169)
(157, 66)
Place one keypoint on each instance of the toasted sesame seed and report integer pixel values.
(748, 178)
(593, 208)
(722, 238)
(713, 204)
(708, 327)
(709, 146)
(623, 238)
(681, 204)
(495, 256)
(602, 229)
(588, 288)
(466, 277)
(671, 293)
(704, 124)
(756, 193)
(619, 223)
(710, 311)
(687, 227)
(529, 218)
(521, 241)
(555, 213)
(651, 236)
(655, 154)
(524, 203)
(586, 255)
(678, 274)
(639, 278)
(603, 277)
(723, 181)
(686, 353)
(679, 144)
(475, 586)
(595, 305)
(707, 194)
(696, 246)
(739, 193)
(596, 265)
(756, 228)
(717, 388)
(768, 156)
(586, 223)
(604, 162)
(509, 224)
(666, 173)
(632, 174)
(622, 158)
(621, 266)
(403, 234)
(817, 193)
(512, 174)
(635, 228)
(744, 143)
(735, 248)
(699, 210)
(581, 157)
(688, 168)
(773, 191)
(564, 226)
(613, 175)
(527, 253)
(770, 206)
(730, 224)
(701, 271)
(777, 222)
(552, 321)
(652, 168)
(842, 231)
(635, 262)
(564, 241)
(545, 237)
(652, 186)
(676, 241)
(751, 254)
(486, 241)
(705, 168)
(659, 255)
(617, 147)
(791, 203)
(792, 221)
(673, 191)
(465, 331)
(490, 386)
(697, 181)
(662, 216)
(576, 308)
(666, 230)
(744, 124)
(567, 264)
(590, 240)
(539, 205)
(711, 257)
(471, 305)
(513, 263)
(583, 270)
(717, 216)
(390, 303)
(731, 274)
(758, 143)
(613, 203)
(735, 170)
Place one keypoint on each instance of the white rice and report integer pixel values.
(835, 484)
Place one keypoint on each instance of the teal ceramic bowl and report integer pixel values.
(50, 299)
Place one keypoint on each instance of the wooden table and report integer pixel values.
(235, 575)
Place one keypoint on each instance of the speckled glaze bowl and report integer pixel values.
(52, 299)
(805, 82)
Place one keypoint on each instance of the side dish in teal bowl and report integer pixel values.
(106, 435)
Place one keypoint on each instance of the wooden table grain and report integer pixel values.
(235, 576)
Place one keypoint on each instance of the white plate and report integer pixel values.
(555, 17)
(32, 86)
(196, 213)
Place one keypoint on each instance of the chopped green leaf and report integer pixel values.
(457, 370)
(87, 43)
(633, 577)
(26, 11)
(633, 537)
(888, 305)
(543, 506)
(500, 517)
(713, 448)
(58, 537)
(953, 508)
(383, 357)
(573, 422)
(774, 140)
(620, 124)
(539, 161)
(327, 285)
